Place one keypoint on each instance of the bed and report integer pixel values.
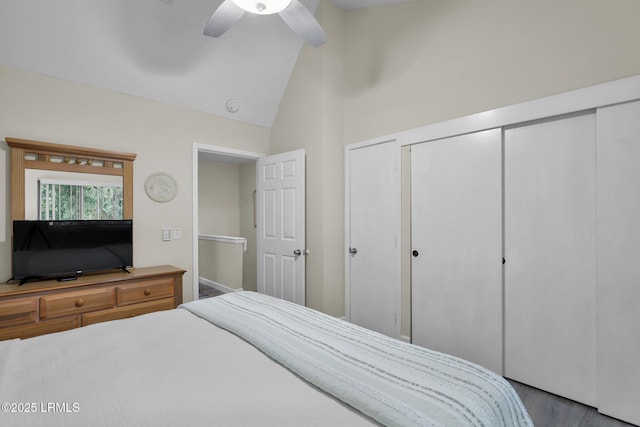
(243, 359)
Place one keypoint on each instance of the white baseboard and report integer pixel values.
(217, 286)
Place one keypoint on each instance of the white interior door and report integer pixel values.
(456, 227)
(374, 238)
(281, 249)
(550, 248)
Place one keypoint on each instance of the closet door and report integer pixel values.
(456, 228)
(619, 261)
(374, 238)
(550, 251)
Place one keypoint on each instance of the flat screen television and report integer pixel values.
(64, 250)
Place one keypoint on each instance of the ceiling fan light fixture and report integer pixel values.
(263, 7)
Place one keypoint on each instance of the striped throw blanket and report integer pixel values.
(395, 383)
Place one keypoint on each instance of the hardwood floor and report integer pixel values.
(549, 410)
(205, 291)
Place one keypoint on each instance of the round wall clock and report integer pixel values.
(161, 187)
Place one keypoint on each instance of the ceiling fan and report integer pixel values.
(292, 12)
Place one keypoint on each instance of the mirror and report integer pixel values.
(41, 166)
(60, 195)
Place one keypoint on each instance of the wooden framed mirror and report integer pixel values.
(29, 156)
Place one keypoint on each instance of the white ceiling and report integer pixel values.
(155, 49)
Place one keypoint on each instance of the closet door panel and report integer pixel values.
(374, 224)
(618, 261)
(456, 229)
(550, 250)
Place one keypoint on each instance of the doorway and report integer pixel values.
(224, 233)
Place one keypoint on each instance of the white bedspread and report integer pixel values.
(162, 369)
(395, 383)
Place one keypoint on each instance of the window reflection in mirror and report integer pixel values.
(57, 195)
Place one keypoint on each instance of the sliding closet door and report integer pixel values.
(456, 227)
(619, 261)
(550, 251)
(374, 238)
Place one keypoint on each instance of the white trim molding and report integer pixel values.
(225, 239)
(597, 96)
(217, 286)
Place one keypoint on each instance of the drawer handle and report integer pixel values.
(79, 302)
(147, 292)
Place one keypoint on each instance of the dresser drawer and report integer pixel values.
(18, 311)
(127, 311)
(63, 304)
(40, 328)
(147, 290)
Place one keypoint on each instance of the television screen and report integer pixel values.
(61, 249)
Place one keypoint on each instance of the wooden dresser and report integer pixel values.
(45, 307)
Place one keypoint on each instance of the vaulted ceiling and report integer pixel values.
(155, 49)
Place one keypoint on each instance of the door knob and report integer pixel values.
(299, 252)
(353, 251)
(415, 253)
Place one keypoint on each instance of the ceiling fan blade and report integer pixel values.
(227, 14)
(303, 23)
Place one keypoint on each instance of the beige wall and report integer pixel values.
(310, 117)
(416, 63)
(34, 106)
(218, 198)
(219, 214)
(221, 262)
(225, 207)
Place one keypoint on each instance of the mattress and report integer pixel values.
(167, 368)
(243, 359)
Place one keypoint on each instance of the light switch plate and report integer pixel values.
(177, 233)
(166, 234)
